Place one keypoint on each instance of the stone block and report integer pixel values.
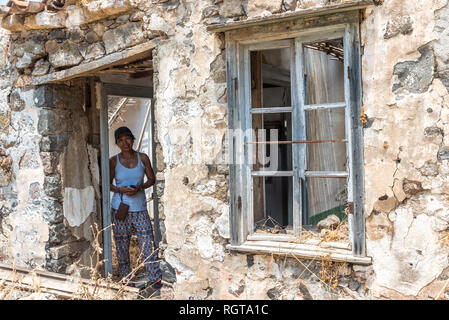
(416, 76)
(65, 54)
(398, 25)
(57, 233)
(429, 169)
(330, 222)
(58, 266)
(14, 22)
(28, 52)
(290, 5)
(123, 37)
(210, 11)
(76, 36)
(92, 37)
(16, 103)
(101, 9)
(53, 186)
(75, 17)
(57, 34)
(5, 119)
(50, 123)
(34, 190)
(398, 191)
(41, 67)
(53, 143)
(385, 205)
(5, 171)
(54, 213)
(136, 16)
(59, 252)
(92, 51)
(43, 97)
(231, 8)
(46, 20)
(168, 273)
(443, 153)
(257, 8)
(412, 187)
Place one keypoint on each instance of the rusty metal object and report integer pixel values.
(350, 207)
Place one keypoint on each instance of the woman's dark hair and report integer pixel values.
(123, 130)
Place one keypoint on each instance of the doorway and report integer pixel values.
(125, 104)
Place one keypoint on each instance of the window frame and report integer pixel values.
(238, 47)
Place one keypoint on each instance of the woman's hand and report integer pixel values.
(127, 190)
(130, 191)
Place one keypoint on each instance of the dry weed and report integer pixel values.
(444, 239)
(98, 288)
(329, 273)
(340, 233)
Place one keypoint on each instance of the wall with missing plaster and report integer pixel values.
(405, 99)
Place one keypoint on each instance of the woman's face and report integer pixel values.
(125, 142)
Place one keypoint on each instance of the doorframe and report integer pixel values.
(103, 90)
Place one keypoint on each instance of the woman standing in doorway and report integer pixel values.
(128, 168)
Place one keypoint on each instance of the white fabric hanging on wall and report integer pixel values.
(78, 205)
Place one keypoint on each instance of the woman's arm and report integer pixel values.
(148, 172)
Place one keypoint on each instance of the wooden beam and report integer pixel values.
(142, 131)
(272, 173)
(257, 207)
(125, 56)
(295, 239)
(234, 125)
(121, 103)
(102, 96)
(129, 91)
(326, 174)
(282, 17)
(271, 110)
(325, 106)
(353, 83)
(61, 285)
(278, 248)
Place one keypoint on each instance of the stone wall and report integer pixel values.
(404, 60)
(39, 52)
(44, 145)
(190, 92)
(406, 102)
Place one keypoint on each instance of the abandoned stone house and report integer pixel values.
(264, 120)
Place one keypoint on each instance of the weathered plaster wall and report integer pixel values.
(405, 100)
(191, 122)
(47, 138)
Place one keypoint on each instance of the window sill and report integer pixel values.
(300, 250)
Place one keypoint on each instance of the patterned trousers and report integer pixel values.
(141, 223)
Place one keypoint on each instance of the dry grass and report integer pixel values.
(339, 233)
(444, 240)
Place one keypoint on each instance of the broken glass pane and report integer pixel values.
(327, 126)
(324, 72)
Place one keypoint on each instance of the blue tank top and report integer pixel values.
(130, 177)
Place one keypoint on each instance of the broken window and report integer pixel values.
(299, 98)
(324, 152)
